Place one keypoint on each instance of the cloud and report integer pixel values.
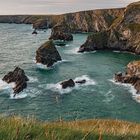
(56, 6)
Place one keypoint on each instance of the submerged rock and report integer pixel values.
(67, 83)
(81, 81)
(19, 78)
(47, 54)
(132, 75)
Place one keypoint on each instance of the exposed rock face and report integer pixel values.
(41, 24)
(61, 36)
(97, 41)
(85, 21)
(68, 83)
(19, 78)
(132, 75)
(47, 54)
(122, 35)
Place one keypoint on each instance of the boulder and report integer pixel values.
(67, 83)
(19, 78)
(47, 54)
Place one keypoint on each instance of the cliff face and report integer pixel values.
(85, 21)
(122, 35)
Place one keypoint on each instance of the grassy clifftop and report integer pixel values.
(16, 128)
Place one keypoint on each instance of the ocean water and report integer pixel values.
(100, 97)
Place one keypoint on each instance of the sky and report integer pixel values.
(12, 7)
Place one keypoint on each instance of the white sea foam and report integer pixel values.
(4, 85)
(18, 96)
(9, 88)
(75, 51)
(32, 79)
(58, 88)
(41, 66)
(108, 97)
(130, 88)
(117, 51)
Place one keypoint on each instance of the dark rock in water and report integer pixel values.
(96, 41)
(68, 83)
(59, 35)
(132, 75)
(34, 32)
(81, 81)
(47, 54)
(19, 78)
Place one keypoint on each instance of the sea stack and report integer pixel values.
(131, 76)
(18, 77)
(59, 33)
(47, 54)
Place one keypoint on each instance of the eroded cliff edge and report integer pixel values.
(122, 35)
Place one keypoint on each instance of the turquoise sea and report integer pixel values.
(100, 97)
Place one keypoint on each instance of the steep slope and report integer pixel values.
(122, 35)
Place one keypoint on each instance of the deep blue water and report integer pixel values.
(99, 98)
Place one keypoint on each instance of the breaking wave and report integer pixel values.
(130, 88)
(58, 88)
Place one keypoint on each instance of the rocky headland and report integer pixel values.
(131, 76)
(122, 35)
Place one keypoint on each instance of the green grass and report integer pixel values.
(17, 128)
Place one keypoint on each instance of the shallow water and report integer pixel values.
(44, 98)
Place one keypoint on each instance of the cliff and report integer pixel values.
(122, 35)
(84, 21)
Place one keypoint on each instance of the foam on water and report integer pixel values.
(75, 51)
(9, 87)
(32, 79)
(4, 85)
(18, 96)
(130, 88)
(58, 88)
(41, 66)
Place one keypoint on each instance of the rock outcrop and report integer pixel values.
(47, 54)
(131, 76)
(122, 35)
(19, 78)
(68, 83)
(59, 35)
(71, 83)
(85, 21)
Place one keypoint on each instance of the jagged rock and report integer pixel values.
(68, 83)
(47, 54)
(81, 81)
(18, 77)
(131, 76)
